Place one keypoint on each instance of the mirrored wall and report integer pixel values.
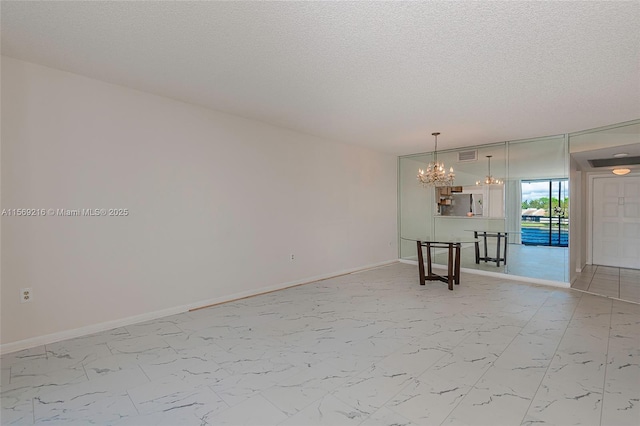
(528, 205)
(605, 213)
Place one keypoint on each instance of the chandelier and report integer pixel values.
(489, 180)
(435, 175)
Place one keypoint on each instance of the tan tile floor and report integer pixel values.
(611, 282)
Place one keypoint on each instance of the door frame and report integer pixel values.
(590, 206)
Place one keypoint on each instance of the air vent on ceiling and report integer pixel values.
(464, 156)
(609, 162)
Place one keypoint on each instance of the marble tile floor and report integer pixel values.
(621, 283)
(369, 348)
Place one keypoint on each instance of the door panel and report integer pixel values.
(630, 249)
(610, 189)
(630, 210)
(631, 190)
(632, 230)
(616, 221)
(610, 210)
(610, 229)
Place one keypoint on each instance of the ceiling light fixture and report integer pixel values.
(489, 180)
(620, 155)
(621, 172)
(435, 175)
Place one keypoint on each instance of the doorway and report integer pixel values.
(616, 221)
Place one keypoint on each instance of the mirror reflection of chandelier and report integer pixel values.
(435, 174)
(489, 180)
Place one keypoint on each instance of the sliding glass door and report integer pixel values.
(545, 218)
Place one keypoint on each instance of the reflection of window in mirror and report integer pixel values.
(545, 221)
(537, 170)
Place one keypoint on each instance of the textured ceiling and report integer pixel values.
(383, 75)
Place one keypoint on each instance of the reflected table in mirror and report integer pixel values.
(453, 246)
(484, 235)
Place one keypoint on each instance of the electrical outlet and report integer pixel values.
(26, 295)
(292, 257)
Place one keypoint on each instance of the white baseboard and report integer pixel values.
(109, 325)
(89, 329)
(499, 275)
(608, 297)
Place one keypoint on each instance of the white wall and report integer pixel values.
(217, 204)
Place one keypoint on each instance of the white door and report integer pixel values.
(616, 221)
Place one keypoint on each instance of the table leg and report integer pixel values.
(450, 267)
(420, 263)
(498, 250)
(457, 265)
(429, 271)
(486, 251)
(477, 244)
(506, 235)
